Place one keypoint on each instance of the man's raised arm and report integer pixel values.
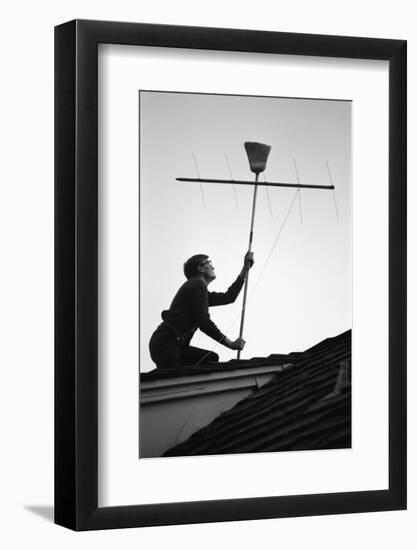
(228, 297)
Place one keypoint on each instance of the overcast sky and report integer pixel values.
(304, 293)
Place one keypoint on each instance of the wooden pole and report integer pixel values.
(245, 292)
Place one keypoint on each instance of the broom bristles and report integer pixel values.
(257, 155)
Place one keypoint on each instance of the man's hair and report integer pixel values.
(192, 264)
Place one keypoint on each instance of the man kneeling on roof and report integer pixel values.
(170, 343)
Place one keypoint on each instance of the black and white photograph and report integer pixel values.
(209, 228)
(245, 274)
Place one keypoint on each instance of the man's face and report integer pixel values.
(207, 269)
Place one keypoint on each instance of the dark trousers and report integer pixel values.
(170, 352)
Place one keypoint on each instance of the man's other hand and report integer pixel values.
(238, 344)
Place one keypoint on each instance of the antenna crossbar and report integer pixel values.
(267, 183)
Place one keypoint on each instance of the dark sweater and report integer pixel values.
(189, 308)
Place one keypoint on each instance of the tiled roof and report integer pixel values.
(306, 406)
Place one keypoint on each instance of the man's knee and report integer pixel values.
(213, 357)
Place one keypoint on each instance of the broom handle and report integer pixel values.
(245, 291)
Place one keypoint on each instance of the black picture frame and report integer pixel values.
(76, 272)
